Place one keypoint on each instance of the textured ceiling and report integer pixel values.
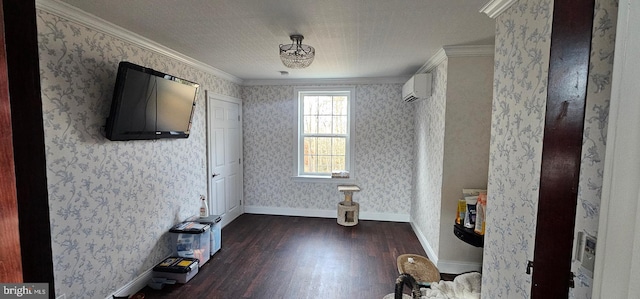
(353, 38)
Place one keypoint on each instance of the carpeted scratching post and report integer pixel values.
(348, 210)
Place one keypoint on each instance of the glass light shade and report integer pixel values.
(297, 55)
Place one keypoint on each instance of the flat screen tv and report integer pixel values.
(148, 104)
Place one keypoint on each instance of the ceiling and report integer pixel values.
(352, 38)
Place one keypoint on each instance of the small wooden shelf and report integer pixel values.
(468, 235)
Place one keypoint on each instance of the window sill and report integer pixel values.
(322, 179)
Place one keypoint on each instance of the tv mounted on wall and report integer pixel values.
(148, 104)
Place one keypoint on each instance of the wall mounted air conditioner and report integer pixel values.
(418, 87)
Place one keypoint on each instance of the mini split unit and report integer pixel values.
(418, 87)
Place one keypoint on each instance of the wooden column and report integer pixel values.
(21, 40)
(562, 147)
(9, 231)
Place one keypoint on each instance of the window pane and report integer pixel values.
(310, 105)
(310, 125)
(310, 163)
(338, 163)
(310, 152)
(339, 147)
(324, 164)
(340, 105)
(325, 105)
(324, 146)
(339, 125)
(310, 146)
(325, 124)
(324, 131)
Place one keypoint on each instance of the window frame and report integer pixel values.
(298, 169)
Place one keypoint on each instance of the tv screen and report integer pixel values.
(149, 104)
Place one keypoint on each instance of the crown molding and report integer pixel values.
(319, 81)
(494, 8)
(456, 51)
(79, 16)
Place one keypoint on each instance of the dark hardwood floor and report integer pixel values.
(265, 256)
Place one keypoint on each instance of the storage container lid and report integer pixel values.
(189, 227)
(209, 219)
(177, 265)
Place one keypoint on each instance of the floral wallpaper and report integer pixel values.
(595, 134)
(111, 203)
(383, 151)
(429, 150)
(519, 99)
(522, 57)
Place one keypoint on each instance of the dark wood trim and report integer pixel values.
(562, 147)
(28, 141)
(9, 231)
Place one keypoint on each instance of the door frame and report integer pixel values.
(209, 96)
(10, 255)
(617, 264)
(21, 42)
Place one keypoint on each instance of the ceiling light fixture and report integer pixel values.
(297, 55)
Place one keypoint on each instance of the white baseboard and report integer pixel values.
(133, 286)
(444, 266)
(324, 213)
(425, 244)
(457, 267)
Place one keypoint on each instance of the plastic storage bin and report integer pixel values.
(177, 268)
(216, 231)
(191, 240)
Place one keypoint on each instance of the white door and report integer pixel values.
(224, 138)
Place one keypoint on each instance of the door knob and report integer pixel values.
(215, 175)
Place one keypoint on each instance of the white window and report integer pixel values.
(324, 131)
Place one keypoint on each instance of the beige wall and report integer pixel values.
(466, 146)
(452, 150)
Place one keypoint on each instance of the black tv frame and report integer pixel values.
(116, 115)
